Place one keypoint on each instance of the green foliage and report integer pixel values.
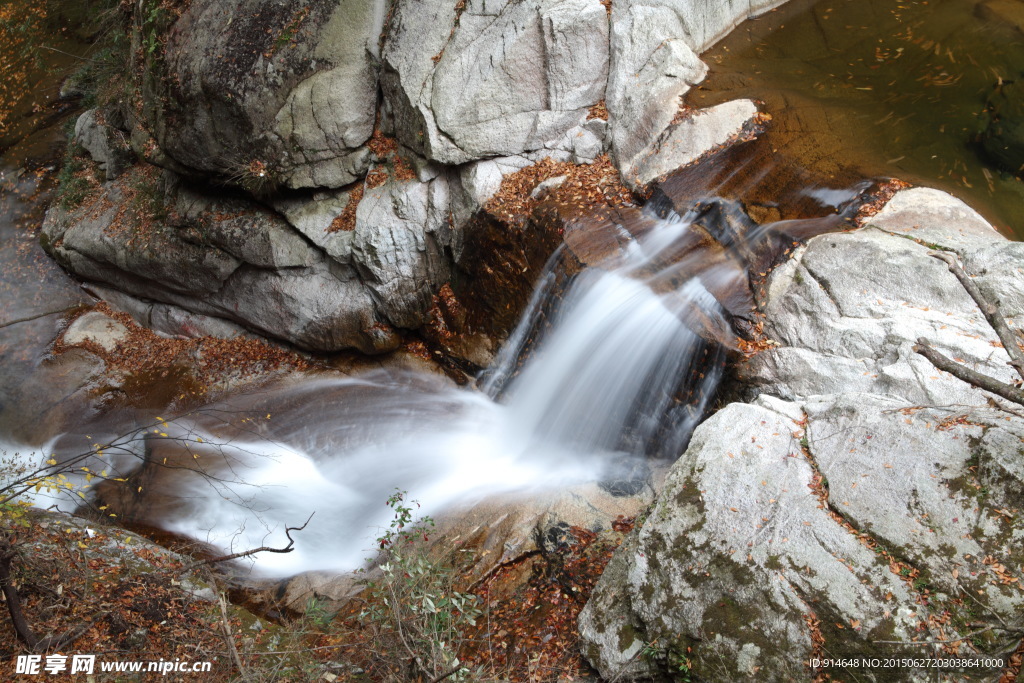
(72, 184)
(413, 607)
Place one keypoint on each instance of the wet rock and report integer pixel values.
(492, 79)
(863, 496)
(686, 141)
(1002, 141)
(503, 530)
(96, 328)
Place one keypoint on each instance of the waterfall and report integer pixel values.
(611, 365)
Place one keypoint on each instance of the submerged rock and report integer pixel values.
(864, 502)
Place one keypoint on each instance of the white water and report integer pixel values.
(596, 390)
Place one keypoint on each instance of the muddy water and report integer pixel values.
(889, 88)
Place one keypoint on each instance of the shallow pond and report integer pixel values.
(888, 87)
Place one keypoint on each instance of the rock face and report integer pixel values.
(292, 88)
(862, 497)
(362, 138)
(492, 78)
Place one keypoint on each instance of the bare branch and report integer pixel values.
(262, 549)
(992, 314)
(1014, 631)
(228, 640)
(1010, 393)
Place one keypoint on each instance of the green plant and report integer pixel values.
(73, 184)
(412, 607)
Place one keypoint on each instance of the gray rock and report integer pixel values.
(167, 319)
(757, 530)
(686, 141)
(97, 328)
(243, 229)
(314, 216)
(878, 502)
(401, 247)
(291, 88)
(228, 259)
(934, 218)
(107, 146)
(651, 69)
(847, 310)
(497, 78)
(653, 63)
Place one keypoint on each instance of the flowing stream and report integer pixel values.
(609, 367)
(597, 393)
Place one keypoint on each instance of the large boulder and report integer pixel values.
(288, 91)
(654, 62)
(464, 81)
(233, 259)
(865, 504)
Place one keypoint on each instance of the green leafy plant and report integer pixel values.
(412, 606)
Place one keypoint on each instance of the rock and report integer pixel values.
(401, 247)
(694, 136)
(846, 319)
(860, 496)
(762, 544)
(1001, 13)
(167, 319)
(108, 146)
(242, 229)
(313, 217)
(97, 328)
(241, 263)
(501, 530)
(651, 69)
(248, 87)
(1002, 140)
(492, 79)
(654, 62)
(935, 218)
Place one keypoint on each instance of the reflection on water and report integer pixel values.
(891, 88)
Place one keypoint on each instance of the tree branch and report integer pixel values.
(964, 373)
(262, 549)
(992, 314)
(21, 627)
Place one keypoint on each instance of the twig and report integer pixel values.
(53, 49)
(228, 639)
(451, 672)
(952, 640)
(30, 318)
(992, 314)
(262, 549)
(973, 378)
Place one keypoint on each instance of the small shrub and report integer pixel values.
(412, 608)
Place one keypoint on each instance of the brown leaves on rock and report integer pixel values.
(346, 220)
(586, 187)
(881, 197)
(599, 110)
(530, 634)
(69, 577)
(210, 360)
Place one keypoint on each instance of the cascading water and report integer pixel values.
(613, 366)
